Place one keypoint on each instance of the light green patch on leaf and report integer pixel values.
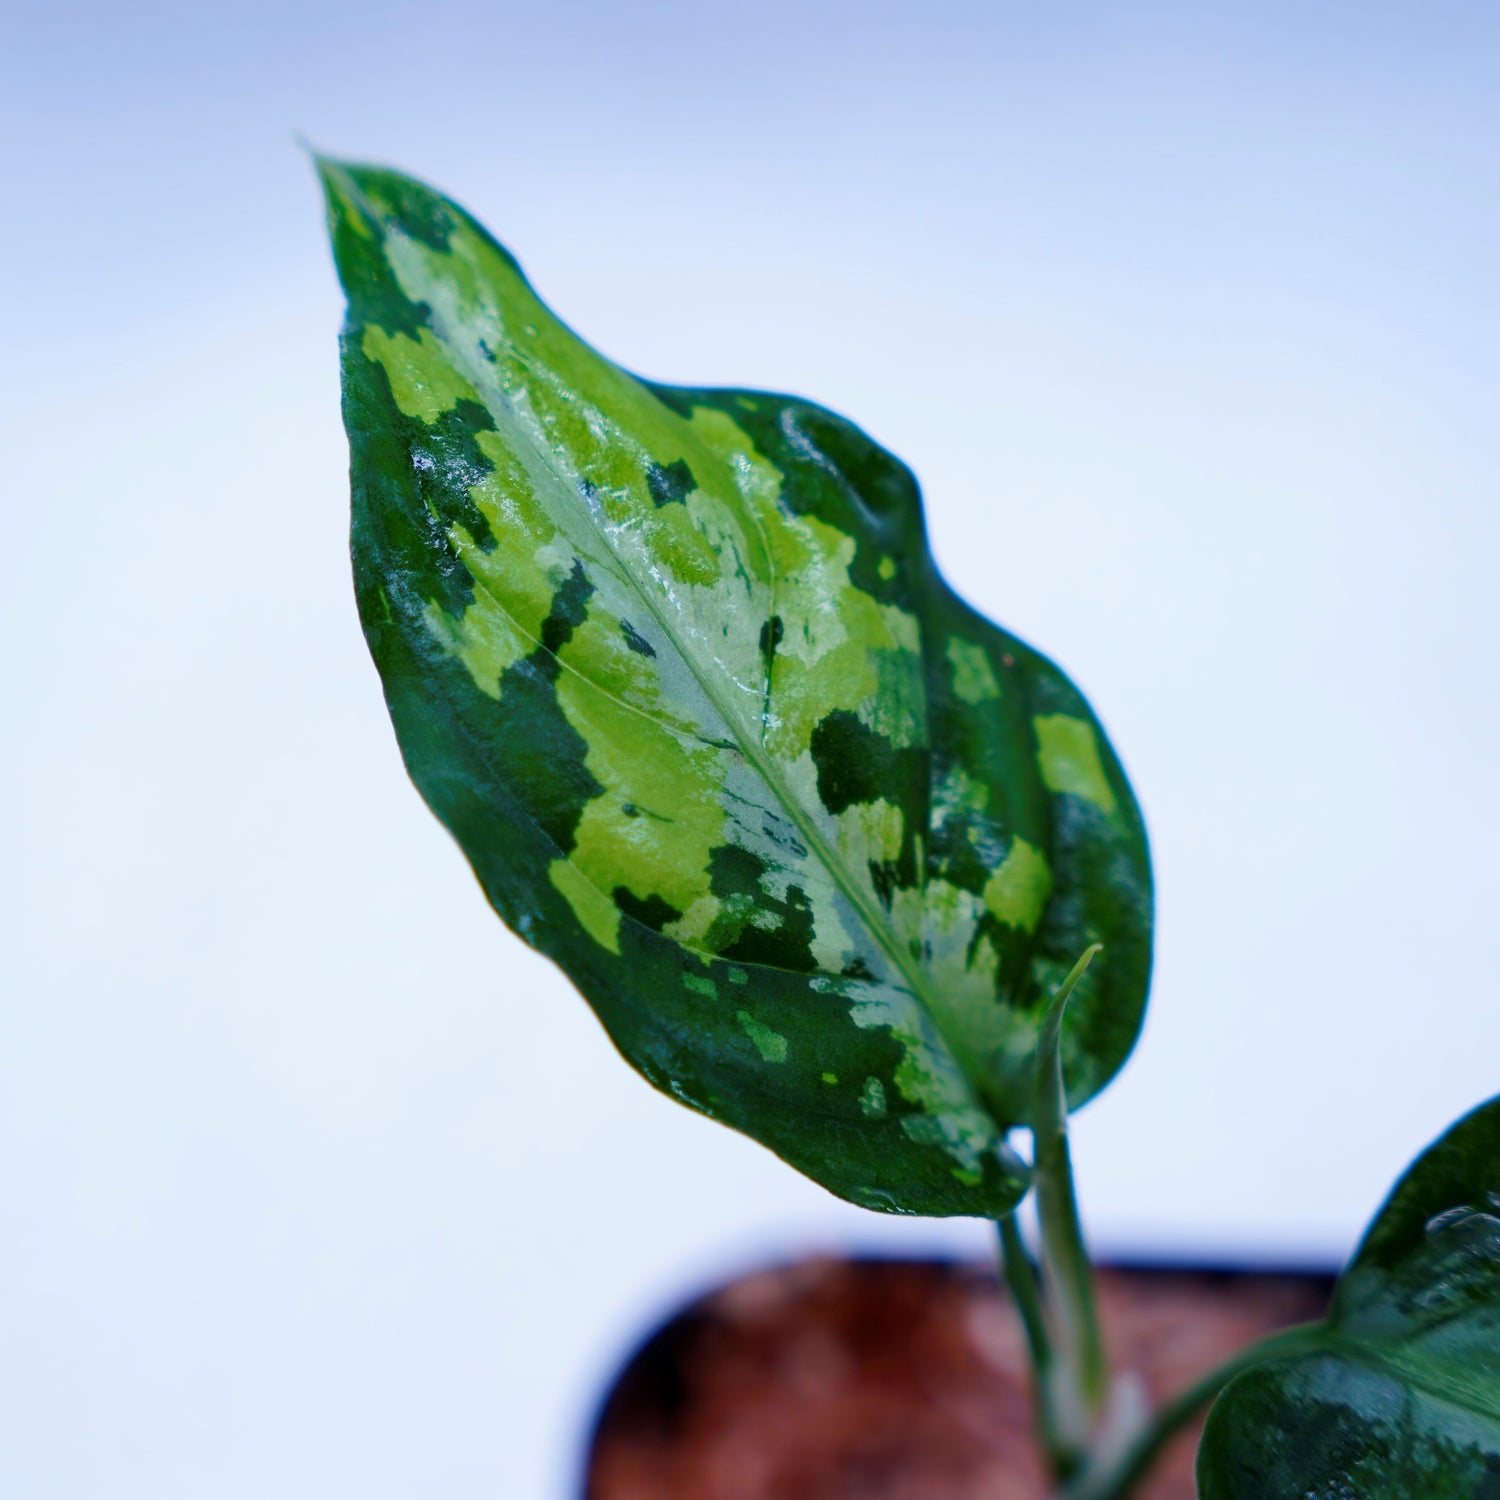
(872, 1098)
(870, 831)
(771, 1045)
(530, 556)
(486, 642)
(516, 578)
(654, 827)
(830, 1078)
(1017, 892)
(700, 985)
(886, 568)
(929, 1076)
(754, 476)
(841, 649)
(599, 916)
(1068, 755)
(423, 380)
(825, 662)
(738, 976)
(973, 677)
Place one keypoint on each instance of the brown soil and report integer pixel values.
(874, 1380)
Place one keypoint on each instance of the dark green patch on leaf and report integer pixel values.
(759, 929)
(636, 641)
(671, 485)
(653, 912)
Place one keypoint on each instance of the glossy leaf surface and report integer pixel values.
(676, 670)
(1402, 1397)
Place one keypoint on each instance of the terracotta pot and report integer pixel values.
(895, 1380)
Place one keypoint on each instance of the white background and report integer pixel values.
(315, 1182)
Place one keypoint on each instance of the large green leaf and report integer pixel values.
(1399, 1398)
(676, 670)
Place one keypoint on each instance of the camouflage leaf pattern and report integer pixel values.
(1402, 1398)
(677, 671)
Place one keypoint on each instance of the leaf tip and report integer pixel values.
(1079, 969)
(328, 168)
(1050, 1038)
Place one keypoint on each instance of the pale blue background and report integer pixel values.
(313, 1182)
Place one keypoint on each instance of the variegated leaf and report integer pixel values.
(677, 671)
(1398, 1395)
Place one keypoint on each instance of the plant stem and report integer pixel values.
(1120, 1478)
(1075, 1380)
(1068, 1274)
(1019, 1271)
(1020, 1279)
(1095, 1453)
(1078, 1371)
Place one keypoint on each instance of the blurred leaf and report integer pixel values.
(1402, 1397)
(676, 669)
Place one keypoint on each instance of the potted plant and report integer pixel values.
(836, 861)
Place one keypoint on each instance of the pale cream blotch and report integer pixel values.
(839, 649)
(964, 970)
(463, 308)
(957, 797)
(964, 963)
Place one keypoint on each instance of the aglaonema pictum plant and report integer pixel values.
(835, 860)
